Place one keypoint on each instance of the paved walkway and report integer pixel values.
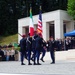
(61, 67)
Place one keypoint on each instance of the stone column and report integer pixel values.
(46, 31)
(24, 30)
(69, 26)
(35, 27)
(58, 27)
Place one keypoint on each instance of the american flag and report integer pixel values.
(39, 28)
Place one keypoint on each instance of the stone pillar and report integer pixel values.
(58, 25)
(69, 26)
(46, 31)
(35, 27)
(24, 30)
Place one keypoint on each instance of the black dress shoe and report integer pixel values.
(22, 64)
(26, 58)
(38, 64)
(34, 64)
(30, 64)
(42, 60)
(52, 63)
(32, 59)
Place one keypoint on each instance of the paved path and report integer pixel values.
(61, 67)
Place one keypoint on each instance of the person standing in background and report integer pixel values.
(51, 48)
(1, 53)
(7, 54)
(12, 53)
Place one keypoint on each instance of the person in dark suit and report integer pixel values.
(29, 48)
(23, 48)
(1, 52)
(51, 48)
(38, 47)
(60, 44)
(57, 44)
(66, 44)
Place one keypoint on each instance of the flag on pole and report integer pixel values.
(31, 26)
(39, 28)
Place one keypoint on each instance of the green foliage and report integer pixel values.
(5, 40)
(17, 48)
(71, 8)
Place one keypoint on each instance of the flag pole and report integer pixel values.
(20, 34)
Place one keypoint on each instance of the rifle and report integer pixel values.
(20, 34)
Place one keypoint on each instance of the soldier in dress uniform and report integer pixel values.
(29, 48)
(43, 49)
(34, 46)
(23, 48)
(38, 47)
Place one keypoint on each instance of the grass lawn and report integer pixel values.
(8, 39)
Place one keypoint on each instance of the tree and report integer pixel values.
(71, 8)
(12, 10)
(9, 13)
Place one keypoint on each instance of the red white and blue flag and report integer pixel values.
(39, 28)
(31, 26)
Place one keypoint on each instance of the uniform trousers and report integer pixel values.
(52, 56)
(22, 57)
(43, 53)
(29, 55)
(34, 55)
(37, 55)
(23, 54)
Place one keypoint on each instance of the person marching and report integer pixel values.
(43, 50)
(38, 47)
(29, 47)
(23, 48)
(34, 46)
(51, 48)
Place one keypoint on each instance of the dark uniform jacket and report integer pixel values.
(39, 43)
(29, 43)
(23, 45)
(44, 43)
(34, 41)
(51, 45)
